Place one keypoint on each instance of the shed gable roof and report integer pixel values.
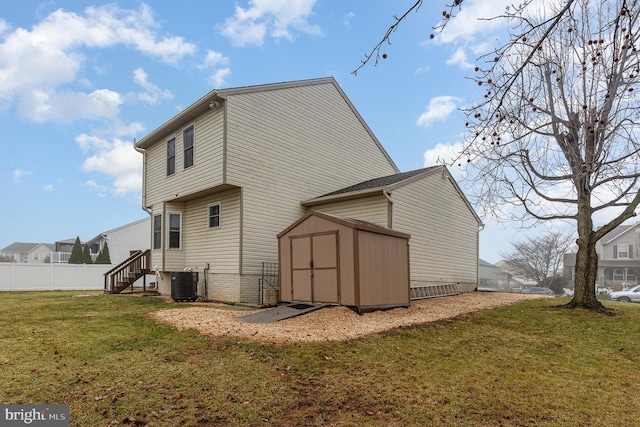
(349, 222)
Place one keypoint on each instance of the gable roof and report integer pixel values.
(349, 222)
(385, 185)
(25, 247)
(382, 182)
(617, 232)
(484, 263)
(215, 98)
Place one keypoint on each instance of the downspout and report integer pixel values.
(144, 198)
(144, 176)
(480, 228)
(389, 209)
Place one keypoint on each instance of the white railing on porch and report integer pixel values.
(60, 257)
(63, 257)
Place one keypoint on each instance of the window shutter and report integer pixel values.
(630, 252)
(615, 251)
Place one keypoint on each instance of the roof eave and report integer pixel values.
(352, 195)
(192, 111)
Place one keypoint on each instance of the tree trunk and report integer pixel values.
(586, 270)
(586, 276)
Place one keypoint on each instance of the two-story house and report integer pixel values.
(226, 175)
(618, 258)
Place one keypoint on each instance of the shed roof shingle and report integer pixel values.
(380, 182)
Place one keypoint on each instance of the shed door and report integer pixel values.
(314, 265)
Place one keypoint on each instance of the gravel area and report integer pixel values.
(334, 323)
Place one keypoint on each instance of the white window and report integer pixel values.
(175, 230)
(36, 257)
(623, 251)
(213, 213)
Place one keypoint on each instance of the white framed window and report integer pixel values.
(618, 274)
(213, 215)
(157, 231)
(188, 140)
(175, 230)
(623, 251)
(36, 257)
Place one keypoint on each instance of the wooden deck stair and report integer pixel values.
(125, 274)
(432, 291)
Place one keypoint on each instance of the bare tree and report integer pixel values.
(448, 14)
(539, 258)
(556, 135)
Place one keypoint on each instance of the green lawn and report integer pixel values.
(524, 365)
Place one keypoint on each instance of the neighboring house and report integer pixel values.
(28, 253)
(493, 277)
(124, 240)
(225, 176)
(487, 276)
(618, 258)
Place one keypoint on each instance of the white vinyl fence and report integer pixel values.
(51, 277)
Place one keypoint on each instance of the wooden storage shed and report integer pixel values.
(331, 259)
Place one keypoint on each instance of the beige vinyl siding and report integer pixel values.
(42, 252)
(157, 255)
(220, 247)
(207, 170)
(174, 259)
(289, 145)
(374, 209)
(444, 232)
(626, 239)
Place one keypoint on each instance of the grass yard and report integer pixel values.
(523, 365)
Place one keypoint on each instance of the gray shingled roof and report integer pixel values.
(616, 232)
(381, 182)
(17, 247)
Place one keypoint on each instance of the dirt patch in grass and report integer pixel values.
(335, 323)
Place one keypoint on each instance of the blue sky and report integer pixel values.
(80, 80)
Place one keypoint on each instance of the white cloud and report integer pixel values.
(35, 63)
(438, 110)
(347, 19)
(65, 107)
(115, 158)
(215, 64)
(153, 94)
(442, 153)
(219, 77)
(98, 188)
(4, 26)
(474, 20)
(459, 58)
(48, 187)
(422, 70)
(276, 18)
(19, 174)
